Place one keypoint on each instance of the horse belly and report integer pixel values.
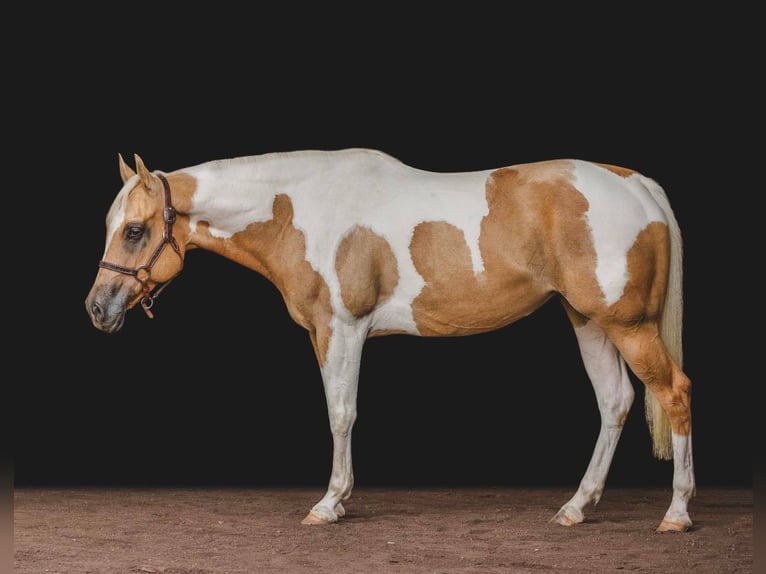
(477, 306)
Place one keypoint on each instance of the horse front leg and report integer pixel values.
(340, 375)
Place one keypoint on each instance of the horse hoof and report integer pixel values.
(568, 517)
(314, 518)
(339, 510)
(668, 525)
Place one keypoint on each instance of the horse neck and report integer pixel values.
(242, 209)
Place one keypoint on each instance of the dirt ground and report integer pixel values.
(418, 530)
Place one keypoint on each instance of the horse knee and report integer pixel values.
(341, 420)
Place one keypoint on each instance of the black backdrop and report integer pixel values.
(222, 387)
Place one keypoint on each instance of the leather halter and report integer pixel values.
(143, 273)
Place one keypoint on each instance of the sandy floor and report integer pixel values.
(236, 530)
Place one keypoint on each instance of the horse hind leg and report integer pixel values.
(614, 393)
(649, 359)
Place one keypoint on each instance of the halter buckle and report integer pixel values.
(169, 213)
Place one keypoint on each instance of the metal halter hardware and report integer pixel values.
(143, 273)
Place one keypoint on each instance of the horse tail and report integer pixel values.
(671, 323)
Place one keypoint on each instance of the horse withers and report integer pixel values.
(361, 245)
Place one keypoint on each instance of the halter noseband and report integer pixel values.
(143, 273)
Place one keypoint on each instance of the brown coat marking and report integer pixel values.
(366, 268)
(648, 262)
(535, 220)
(617, 170)
(277, 250)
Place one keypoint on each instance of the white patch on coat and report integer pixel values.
(619, 209)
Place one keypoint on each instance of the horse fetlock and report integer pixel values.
(590, 492)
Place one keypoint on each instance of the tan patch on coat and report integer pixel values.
(277, 250)
(534, 241)
(641, 346)
(367, 271)
(537, 220)
(617, 170)
(643, 297)
(182, 188)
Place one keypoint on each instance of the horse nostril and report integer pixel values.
(96, 312)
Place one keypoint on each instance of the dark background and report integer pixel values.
(222, 387)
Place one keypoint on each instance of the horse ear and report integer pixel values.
(125, 172)
(147, 179)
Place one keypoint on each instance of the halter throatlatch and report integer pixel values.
(143, 273)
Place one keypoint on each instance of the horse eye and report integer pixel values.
(134, 232)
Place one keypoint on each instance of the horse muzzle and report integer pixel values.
(107, 304)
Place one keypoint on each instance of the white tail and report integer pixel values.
(671, 325)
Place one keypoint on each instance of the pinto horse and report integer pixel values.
(361, 245)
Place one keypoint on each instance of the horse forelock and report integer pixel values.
(116, 214)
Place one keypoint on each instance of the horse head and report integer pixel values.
(144, 248)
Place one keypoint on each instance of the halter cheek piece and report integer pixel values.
(143, 273)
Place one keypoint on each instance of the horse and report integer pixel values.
(362, 245)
